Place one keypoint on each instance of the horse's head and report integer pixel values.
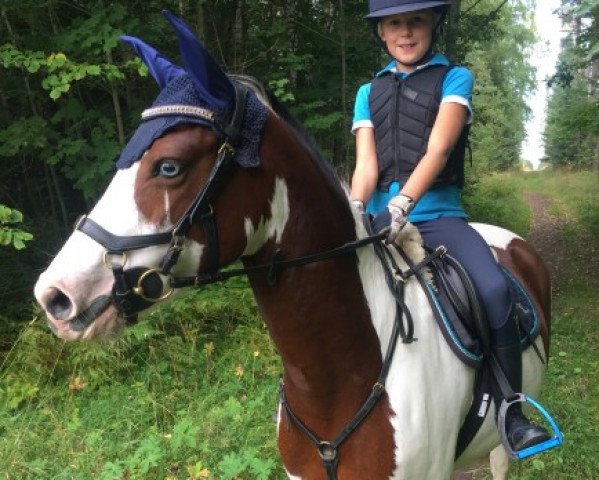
(186, 199)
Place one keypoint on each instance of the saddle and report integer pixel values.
(460, 314)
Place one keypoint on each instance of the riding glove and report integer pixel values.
(400, 206)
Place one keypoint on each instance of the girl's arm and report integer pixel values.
(444, 136)
(366, 174)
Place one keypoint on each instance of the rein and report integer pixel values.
(276, 265)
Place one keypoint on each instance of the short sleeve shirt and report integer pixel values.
(441, 201)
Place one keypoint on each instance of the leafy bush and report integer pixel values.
(10, 234)
(498, 202)
(151, 405)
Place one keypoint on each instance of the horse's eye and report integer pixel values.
(168, 169)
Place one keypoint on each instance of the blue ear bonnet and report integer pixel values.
(201, 94)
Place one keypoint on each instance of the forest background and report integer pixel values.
(71, 94)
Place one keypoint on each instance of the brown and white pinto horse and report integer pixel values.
(330, 320)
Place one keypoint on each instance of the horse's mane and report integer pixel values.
(305, 138)
(307, 141)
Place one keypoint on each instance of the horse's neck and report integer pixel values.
(317, 314)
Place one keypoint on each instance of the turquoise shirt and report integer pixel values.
(442, 201)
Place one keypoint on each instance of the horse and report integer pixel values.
(233, 177)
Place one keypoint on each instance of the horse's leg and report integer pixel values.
(500, 463)
(469, 472)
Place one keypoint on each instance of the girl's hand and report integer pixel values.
(399, 207)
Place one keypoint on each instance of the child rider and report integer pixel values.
(411, 124)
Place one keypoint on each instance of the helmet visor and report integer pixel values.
(384, 8)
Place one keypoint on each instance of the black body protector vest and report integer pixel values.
(403, 112)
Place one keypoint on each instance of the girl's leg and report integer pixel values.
(469, 248)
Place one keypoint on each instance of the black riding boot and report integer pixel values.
(505, 344)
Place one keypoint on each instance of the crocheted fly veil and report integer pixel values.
(198, 94)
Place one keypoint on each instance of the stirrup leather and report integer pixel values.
(553, 442)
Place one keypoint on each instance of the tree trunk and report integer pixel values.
(52, 200)
(239, 38)
(344, 125)
(116, 103)
(61, 203)
(453, 17)
(200, 20)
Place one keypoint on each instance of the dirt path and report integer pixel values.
(547, 235)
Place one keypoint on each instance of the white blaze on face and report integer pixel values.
(272, 227)
(78, 270)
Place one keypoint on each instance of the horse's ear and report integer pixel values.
(160, 67)
(210, 82)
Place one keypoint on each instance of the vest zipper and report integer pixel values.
(396, 130)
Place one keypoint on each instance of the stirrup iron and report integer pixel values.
(553, 442)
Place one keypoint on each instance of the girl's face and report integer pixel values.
(408, 36)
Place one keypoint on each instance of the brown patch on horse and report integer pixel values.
(367, 453)
(528, 267)
(243, 194)
(194, 149)
(319, 319)
(317, 314)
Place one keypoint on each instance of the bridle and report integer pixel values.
(137, 288)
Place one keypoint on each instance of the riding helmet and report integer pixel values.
(384, 8)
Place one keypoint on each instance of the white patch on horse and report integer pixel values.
(273, 227)
(429, 388)
(495, 236)
(78, 270)
(167, 208)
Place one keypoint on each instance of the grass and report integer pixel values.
(190, 392)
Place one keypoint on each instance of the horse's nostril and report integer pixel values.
(59, 305)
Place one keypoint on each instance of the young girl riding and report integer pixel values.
(411, 125)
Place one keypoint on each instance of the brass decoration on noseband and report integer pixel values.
(139, 289)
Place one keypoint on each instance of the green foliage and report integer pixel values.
(9, 234)
(498, 200)
(572, 128)
(503, 78)
(188, 393)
